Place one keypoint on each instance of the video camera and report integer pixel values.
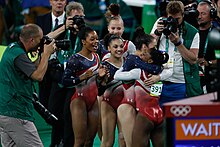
(79, 21)
(170, 25)
(47, 115)
(191, 14)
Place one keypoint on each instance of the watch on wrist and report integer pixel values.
(210, 63)
(178, 43)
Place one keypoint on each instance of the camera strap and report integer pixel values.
(167, 42)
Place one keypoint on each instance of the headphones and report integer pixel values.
(213, 10)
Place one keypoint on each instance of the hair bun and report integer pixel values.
(139, 31)
(115, 9)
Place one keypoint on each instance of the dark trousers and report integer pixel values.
(56, 106)
(68, 138)
(44, 89)
(59, 105)
(57, 99)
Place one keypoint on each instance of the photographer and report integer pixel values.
(17, 75)
(51, 91)
(207, 60)
(181, 75)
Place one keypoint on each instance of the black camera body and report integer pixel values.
(170, 25)
(79, 21)
(47, 115)
(60, 44)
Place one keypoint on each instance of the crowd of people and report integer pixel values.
(94, 85)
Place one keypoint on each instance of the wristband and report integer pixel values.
(178, 43)
(156, 32)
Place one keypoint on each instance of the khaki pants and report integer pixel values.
(18, 133)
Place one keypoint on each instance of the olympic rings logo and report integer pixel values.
(180, 110)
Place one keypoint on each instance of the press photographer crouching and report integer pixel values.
(18, 74)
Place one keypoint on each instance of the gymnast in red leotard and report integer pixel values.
(140, 105)
(81, 72)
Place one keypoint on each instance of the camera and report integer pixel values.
(170, 25)
(47, 115)
(62, 44)
(191, 9)
(79, 21)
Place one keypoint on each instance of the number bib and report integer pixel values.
(156, 89)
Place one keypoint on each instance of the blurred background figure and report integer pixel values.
(34, 8)
(10, 20)
(191, 13)
(216, 21)
(2, 21)
(160, 8)
(217, 4)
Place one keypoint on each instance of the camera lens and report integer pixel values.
(171, 26)
(63, 44)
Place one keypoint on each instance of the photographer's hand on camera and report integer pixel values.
(175, 38)
(50, 48)
(39, 73)
(69, 23)
(160, 27)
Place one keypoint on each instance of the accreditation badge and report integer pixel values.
(170, 62)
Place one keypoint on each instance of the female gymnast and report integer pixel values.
(81, 72)
(112, 90)
(127, 110)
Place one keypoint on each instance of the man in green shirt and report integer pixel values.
(18, 73)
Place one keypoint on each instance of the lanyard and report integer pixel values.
(206, 43)
(76, 42)
(167, 45)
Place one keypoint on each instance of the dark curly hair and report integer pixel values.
(83, 33)
(159, 57)
(108, 39)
